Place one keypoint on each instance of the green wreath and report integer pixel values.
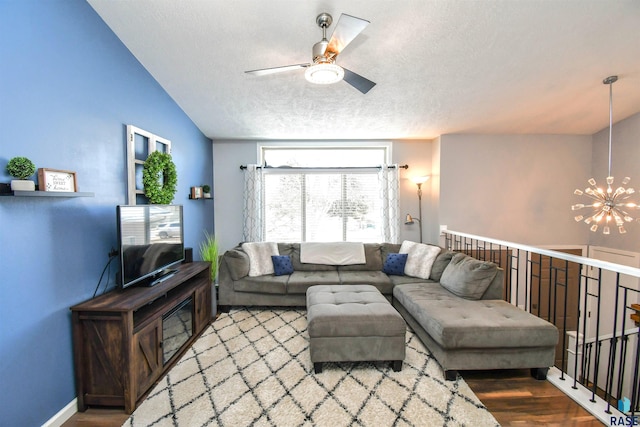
(159, 178)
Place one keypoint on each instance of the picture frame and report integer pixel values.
(57, 180)
(196, 193)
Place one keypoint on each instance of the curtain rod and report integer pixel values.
(243, 167)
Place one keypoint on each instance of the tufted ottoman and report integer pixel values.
(348, 323)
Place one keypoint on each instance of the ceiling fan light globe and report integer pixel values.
(324, 74)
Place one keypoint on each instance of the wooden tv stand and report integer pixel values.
(118, 337)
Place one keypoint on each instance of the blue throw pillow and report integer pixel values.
(394, 264)
(282, 264)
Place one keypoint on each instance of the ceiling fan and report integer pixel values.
(323, 69)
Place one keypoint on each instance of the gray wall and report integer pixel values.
(418, 155)
(625, 161)
(514, 187)
(228, 182)
(511, 187)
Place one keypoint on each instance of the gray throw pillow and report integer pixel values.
(442, 261)
(238, 263)
(468, 277)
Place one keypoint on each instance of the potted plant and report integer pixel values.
(209, 253)
(206, 189)
(21, 168)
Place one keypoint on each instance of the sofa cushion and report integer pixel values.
(442, 260)
(268, 284)
(394, 264)
(456, 323)
(300, 281)
(285, 248)
(401, 280)
(373, 256)
(238, 262)
(260, 253)
(375, 278)
(282, 264)
(420, 258)
(388, 248)
(468, 277)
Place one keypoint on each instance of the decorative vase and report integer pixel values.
(22, 185)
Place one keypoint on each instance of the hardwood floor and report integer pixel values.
(517, 399)
(93, 417)
(513, 397)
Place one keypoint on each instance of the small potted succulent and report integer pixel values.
(21, 168)
(206, 190)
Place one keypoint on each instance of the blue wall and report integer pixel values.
(68, 87)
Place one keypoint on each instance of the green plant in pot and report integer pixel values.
(209, 253)
(21, 168)
(206, 190)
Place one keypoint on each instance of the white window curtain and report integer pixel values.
(389, 178)
(253, 204)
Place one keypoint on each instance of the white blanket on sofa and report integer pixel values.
(260, 253)
(332, 253)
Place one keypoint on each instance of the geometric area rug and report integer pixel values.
(251, 367)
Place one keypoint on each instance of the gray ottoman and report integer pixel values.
(349, 323)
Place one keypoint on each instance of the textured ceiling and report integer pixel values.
(483, 66)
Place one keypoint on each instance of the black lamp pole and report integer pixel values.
(419, 184)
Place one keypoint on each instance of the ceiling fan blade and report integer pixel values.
(265, 71)
(356, 80)
(346, 30)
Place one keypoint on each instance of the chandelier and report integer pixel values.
(609, 206)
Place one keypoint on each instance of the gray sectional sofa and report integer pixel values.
(458, 312)
(236, 287)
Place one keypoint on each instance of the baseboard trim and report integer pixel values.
(63, 414)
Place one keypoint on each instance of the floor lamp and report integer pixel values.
(418, 180)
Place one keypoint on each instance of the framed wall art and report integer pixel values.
(57, 180)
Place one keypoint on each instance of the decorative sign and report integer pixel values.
(56, 180)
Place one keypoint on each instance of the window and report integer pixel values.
(323, 194)
(140, 144)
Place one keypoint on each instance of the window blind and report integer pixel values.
(322, 206)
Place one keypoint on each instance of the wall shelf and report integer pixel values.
(49, 194)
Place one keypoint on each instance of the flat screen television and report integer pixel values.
(150, 240)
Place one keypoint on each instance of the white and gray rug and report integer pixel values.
(251, 367)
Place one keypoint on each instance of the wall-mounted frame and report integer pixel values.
(57, 180)
(140, 144)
